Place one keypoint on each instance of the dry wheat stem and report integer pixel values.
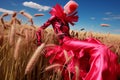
(33, 34)
(67, 61)
(36, 15)
(66, 55)
(52, 66)
(17, 47)
(69, 75)
(12, 35)
(2, 21)
(77, 72)
(26, 14)
(27, 35)
(4, 14)
(59, 74)
(21, 35)
(1, 39)
(34, 59)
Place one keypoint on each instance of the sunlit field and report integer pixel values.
(19, 58)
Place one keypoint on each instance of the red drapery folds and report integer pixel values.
(84, 60)
(94, 61)
(58, 11)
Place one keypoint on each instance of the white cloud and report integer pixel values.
(116, 17)
(7, 11)
(92, 18)
(108, 13)
(111, 16)
(106, 19)
(36, 6)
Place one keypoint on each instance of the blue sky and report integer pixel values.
(92, 13)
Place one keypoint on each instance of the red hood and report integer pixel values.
(58, 11)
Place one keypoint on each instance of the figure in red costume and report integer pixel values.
(94, 60)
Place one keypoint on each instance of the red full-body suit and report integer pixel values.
(94, 59)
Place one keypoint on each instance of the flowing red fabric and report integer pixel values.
(58, 11)
(94, 59)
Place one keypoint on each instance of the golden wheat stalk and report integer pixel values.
(52, 66)
(66, 55)
(34, 59)
(68, 59)
(12, 21)
(36, 15)
(1, 39)
(12, 36)
(22, 30)
(27, 35)
(14, 14)
(17, 47)
(2, 21)
(69, 74)
(26, 14)
(77, 72)
(21, 35)
(33, 32)
(76, 34)
(59, 74)
(18, 21)
(4, 14)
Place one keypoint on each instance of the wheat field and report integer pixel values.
(22, 59)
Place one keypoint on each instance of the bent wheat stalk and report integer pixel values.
(4, 14)
(52, 66)
(34, 59)
(26, 14)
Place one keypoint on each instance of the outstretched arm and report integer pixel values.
(48, 22)
(44, 26)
